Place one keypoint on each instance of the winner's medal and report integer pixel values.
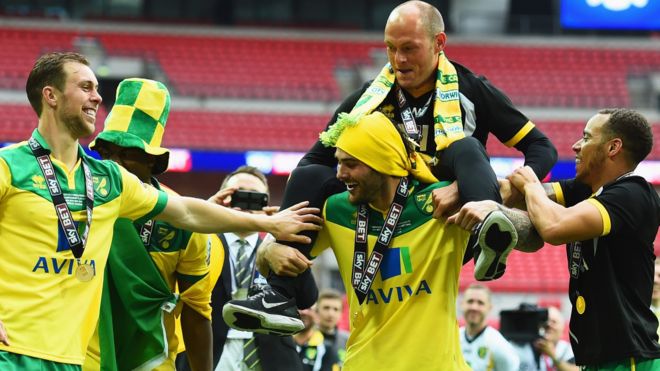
(85, 272)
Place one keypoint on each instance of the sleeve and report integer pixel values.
(139, 202)
(323, 239)
(5, 178)
(505, 356)
(320, 154)
(621, 205)
(513, 128)
(193, 266)
(570, 192)
(540, 154)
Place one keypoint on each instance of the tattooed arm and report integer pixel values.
(473, 213)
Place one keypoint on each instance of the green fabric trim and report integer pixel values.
(122, 139)
(340, 211)
(129, 92)
(21, 362)
(166, 238)
(26, 175)
(142, 125)
(166, 110)
(626, 365)
(405, 256)
(158, 208)
(131, 331)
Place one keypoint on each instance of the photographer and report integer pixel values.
(537, 339)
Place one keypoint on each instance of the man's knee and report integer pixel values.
(468, 147)
(312, 174)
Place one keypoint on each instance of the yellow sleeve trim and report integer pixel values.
(521, 134)
(559, 193)
(607, 223)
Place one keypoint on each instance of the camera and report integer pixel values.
(248, 200)
(525, 324)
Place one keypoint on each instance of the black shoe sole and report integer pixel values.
(246, 319)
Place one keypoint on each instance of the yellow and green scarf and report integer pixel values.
(447, 121)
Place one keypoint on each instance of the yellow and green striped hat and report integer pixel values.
(138, 119)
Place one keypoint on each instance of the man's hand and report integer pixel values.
(287, 223)
(446, 200)
(546, 347)
(472, 213)
(511, 196)
(522, 177)
(223, 196)
(4, 339)
(283, 260)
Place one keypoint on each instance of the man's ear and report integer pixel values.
(440, 42)
(48, 94)
(615, 147)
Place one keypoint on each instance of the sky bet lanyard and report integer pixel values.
(364, 272)
(407, 115)
(76, 243)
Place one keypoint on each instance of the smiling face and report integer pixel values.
(475, 306)
(329, 312)
(591, 151)
(78, 101)
(364, 184)
(412, 51)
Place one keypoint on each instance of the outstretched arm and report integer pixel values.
(201, 216)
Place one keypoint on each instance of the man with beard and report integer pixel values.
(449, 111)
(401, 264)
(58, 207)
(484, 348)
(609, 227)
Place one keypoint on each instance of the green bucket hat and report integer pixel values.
(138, 118)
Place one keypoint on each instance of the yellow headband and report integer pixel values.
(374, 140)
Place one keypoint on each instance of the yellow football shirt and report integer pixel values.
(48, 313)
(408, 320)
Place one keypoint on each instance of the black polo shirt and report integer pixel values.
(484, 108)
(611, 276)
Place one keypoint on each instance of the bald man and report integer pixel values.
(448, 111)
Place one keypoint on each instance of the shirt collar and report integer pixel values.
(37, 135)
(251, 239)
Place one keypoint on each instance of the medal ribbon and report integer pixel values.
(76, 242)
(364, 272)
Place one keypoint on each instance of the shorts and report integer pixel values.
(21, 362)
(632, 364)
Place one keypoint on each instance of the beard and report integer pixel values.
(75, 124)
(368, 188)
(591, 167)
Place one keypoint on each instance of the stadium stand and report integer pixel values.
(299, 69)
(555, 78)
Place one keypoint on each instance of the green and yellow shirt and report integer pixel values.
(408, 319)
(48, 313)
